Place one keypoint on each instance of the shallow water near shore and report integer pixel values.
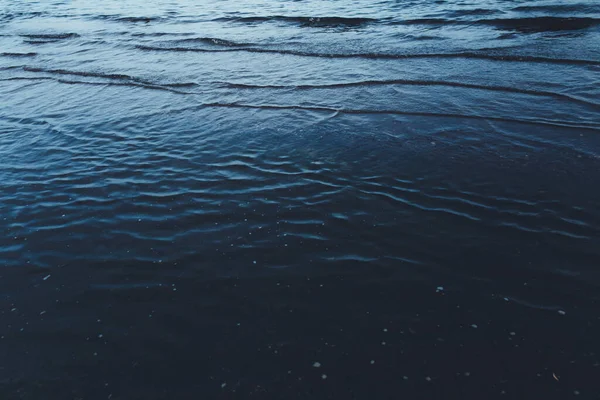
(299, 199)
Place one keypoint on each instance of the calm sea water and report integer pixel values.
(282, 199)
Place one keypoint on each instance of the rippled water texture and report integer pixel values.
(299, 199)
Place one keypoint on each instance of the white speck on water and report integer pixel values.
(323, 376)
(223, 385)
(254, 262)
(95, 354)
(43, 312)
(467, 374)
(100, 336)
(428, 379)
(506, 299)
(46, 278)
(512, 334)
(372, 362)
(13, 309)
(576, 392)
(238, 324)
(385, 329)
(474, 326)
(383, 343)
(405, 377)
(561, 312)
(439, 289)
(174, 289)
(317, 364)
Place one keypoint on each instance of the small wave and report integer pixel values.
(558, 8)
(18, 54)
(419, 83)
(190, 49)
(506, 36)
(523, 25)
(128, 84)
(82, 73)
(213, 41)
(430, 21)
(180, 84)
(27, 78)
(383, 56)
(158, 34)
(51, 36)
(36, 42)
(6, 17)
(422, 37)
(336, 111)
(122, 80)
(121, 18)
(303, 21)
(475, 11)
(138, 19)
(542, 24)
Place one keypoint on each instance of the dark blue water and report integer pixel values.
(282, 199)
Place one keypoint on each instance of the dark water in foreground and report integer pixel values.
(299, 199)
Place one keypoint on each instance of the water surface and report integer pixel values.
(299, 199)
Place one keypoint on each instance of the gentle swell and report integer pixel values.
(51, 36)
(213, 41)
(475, 11)
(332, 110)
(139, 19)
(560, 8)
(130, 84)
(383, 56)
(523, 25)
(18, 54)
(303, 21)
(120, 18)
(543, 24)
(119, 77)
(420, 83)
(81, 73)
